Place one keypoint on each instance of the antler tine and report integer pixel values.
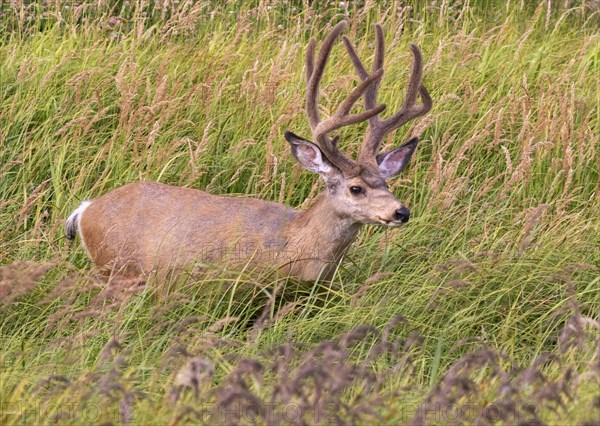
(370, 97)
(314, 73)
(371, 93)
(426, 100)
(412, 91)
(409, 109)
(310, 59)
(360, 68)
(379, 48)
(342, 117)
(379, 128)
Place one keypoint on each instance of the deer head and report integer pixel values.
(358, 188)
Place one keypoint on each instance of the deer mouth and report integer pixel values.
(389, 223)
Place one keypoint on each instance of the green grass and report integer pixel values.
(498, 266)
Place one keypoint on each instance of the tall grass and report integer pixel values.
(484, 309)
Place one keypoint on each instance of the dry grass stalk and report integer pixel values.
(20, 278)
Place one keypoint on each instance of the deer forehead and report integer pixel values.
(368, 177)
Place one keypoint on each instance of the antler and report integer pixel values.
(378, 128)
(342, 117)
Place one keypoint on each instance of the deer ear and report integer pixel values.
(393, 162)
(309, 155)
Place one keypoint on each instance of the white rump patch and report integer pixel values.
(72, 224)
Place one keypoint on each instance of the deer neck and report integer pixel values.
(318, 238)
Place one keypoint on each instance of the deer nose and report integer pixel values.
(402, 214)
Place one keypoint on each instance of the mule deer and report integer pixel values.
(147, 226)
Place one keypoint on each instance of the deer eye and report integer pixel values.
(356, 190)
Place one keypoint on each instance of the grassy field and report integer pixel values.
(483, 309)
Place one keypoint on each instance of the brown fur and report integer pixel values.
(147, 226)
